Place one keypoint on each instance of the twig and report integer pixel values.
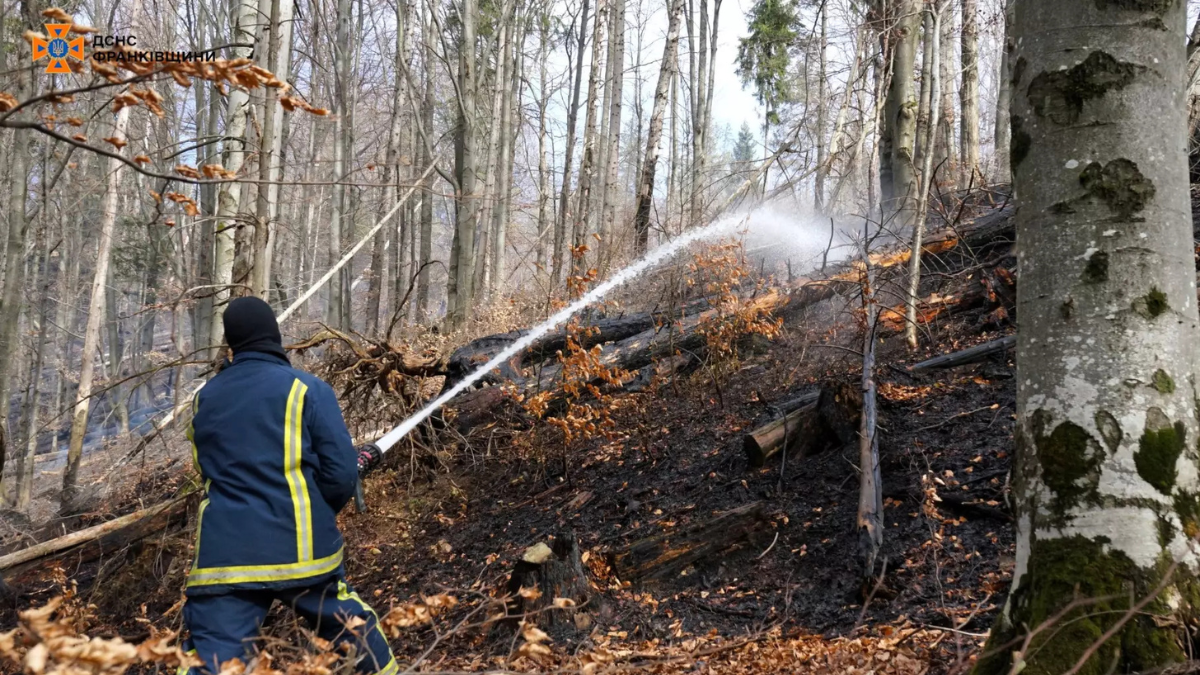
(952, 418)
(760, 555)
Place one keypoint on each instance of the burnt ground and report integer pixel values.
(674, 458)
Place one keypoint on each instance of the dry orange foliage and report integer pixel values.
(719, 269)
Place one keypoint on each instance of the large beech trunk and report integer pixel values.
(1106, 492)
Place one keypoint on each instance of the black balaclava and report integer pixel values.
(250, 326)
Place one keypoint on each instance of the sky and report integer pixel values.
(732, 104)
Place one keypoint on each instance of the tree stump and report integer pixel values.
(549, 587)
(827, 420)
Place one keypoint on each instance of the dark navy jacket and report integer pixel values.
(277, 463)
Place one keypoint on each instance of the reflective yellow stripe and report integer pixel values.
(191, 433)
(200, 526)
(345, 594)
(182, 670)
(210, 576)
(293, 446)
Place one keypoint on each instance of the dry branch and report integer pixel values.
(93, 541)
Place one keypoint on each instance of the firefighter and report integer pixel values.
(277, 465)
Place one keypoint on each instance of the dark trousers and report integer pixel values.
(227, 626)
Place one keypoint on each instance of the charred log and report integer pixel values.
(668, 554)
(961, 358)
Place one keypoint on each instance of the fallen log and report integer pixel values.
(476, 407)
(819, 422)
(797, 403)
(966, 356)
(659, 371)
(94, 541)
(474, 354)
(638, 351)
(793, 429)
(668, 554)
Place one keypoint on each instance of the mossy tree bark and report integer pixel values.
(1106, 488)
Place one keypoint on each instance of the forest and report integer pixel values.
(609, 336)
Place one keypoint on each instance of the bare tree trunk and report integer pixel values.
(870, 488)
(912, 297)
(587, 166)
(462, 264)
(391, 169)
(1004, 98)
(341, 222)
(544, 197)
(858, 69)
(116, 352)
(645, 187)
(969, 93)
(560, 228)
(494, 151)
(270, 160)
(427, 103)
(14, 254)
(945, 154)
(24, 487)
(611, 189)
(673, 178)
(635, 166)
(928, 39)
(510, 126)
(1105, 481)
(897, 171)
(822, 110)
(699, 123)
(229, 197)
(95, 319)
(206, 125)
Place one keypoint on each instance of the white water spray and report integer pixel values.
(629, 273)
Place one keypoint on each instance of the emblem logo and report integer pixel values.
(58, 47)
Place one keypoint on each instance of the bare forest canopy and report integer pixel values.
(414, 185)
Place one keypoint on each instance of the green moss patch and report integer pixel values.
(1152, 304)
(1162, 382)
(1158, 451)
(1096, 270)
(1063, 570)
(1059, 95)
(1187, 507)
(1120, 185)
(1070, 460)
